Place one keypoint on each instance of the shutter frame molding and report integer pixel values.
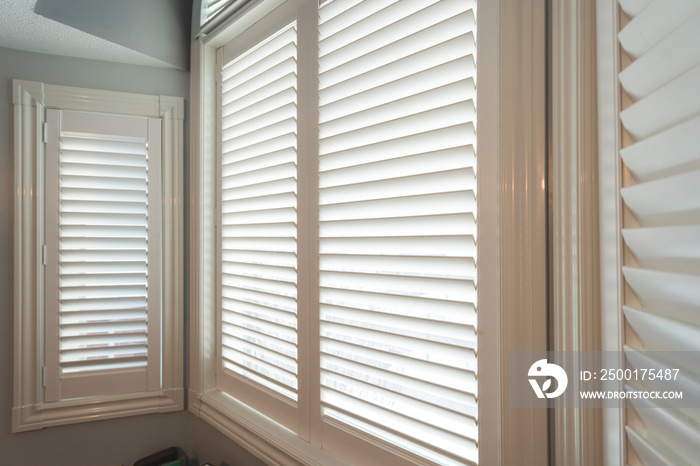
(30, 411)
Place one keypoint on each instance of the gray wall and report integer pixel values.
(103, 443)
(157, 28)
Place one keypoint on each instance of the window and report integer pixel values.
(335, 235)
(98, 254)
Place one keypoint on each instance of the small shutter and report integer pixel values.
(398, 223)
(103, 259)
(661, 229)
(258, 208)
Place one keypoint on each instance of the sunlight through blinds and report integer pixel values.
(397, 186)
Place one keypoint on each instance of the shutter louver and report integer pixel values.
(662, 194)
(397, 188)
(104, 224)
(258, 215)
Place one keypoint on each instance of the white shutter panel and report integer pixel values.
(258, 225)
(397, 223)
(662, 219)
(103, 264)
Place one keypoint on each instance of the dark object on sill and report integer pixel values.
(161, 458)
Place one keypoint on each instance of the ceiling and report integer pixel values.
(21, 28)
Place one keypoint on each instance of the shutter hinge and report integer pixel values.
(46, 132)
(43, 254)
(43, 376)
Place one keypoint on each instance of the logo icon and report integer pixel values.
(542, 368)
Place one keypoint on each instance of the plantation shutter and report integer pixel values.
(258, 219)
(661, 229)
(398, 224)
(102, 254)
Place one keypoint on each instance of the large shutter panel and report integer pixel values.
(398, 223)
(103, 240)
(258, 206)
(662, 226)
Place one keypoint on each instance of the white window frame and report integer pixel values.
(30, 411)
(512, 127)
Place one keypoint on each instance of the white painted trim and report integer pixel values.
(29, 409)
(518, 146)
(611, 248)
(575, 304)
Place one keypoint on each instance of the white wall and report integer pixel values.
(113, 442)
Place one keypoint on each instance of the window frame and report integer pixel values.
(515, 285)
(30, 411)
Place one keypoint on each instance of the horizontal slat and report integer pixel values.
(671, 105)
(103, 182)
(671, 249)
(262, 332)
(248, 304)
(344, 14)
(260, 298)
(678, 436)
(654, 23)
(668, 201)
(422, 330)
(271, 357)
(444, 45)
(412, 188)
(663, 334)
(286, 111)
(443, 117)
(131, 208)
(428, 141)
(253, 56)
(104, 255)
(684, 382)
(429, 225)
(644, 450)
(438, 97)
(279, 259)
(667, 294)
(126, 315)
(260, 244)
(633, 7)
(277, 273)
(102, 292)
(241, 77)
(270, 96)
(678, 146)
(101, 143)
(103, 171)
(411, 306)
(274, 375)
(85, 279)
(273, 201)
(104, 158)
(284, 141)
(100, 219)
(101, 354)
(102, 195)
(271, 230)
(250, 374)
(102, 243)
(414, 410)
(460, 380)
(398, 23)
(419, 266)
(441, 75)
(111, 304)
(231, 192)
(103, 341)
(399, 425)
(406, 347)
(260, 216)
(336, 86)
(671, 57)
(123, 364)
(262, 175)
(264, 161)
(439, 246)
(103, 328)
(419, 389)
(434, 288)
